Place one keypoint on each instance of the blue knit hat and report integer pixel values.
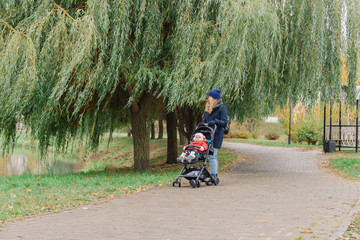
(215, 93)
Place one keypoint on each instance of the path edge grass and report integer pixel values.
(30, 195)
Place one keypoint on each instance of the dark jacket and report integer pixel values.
(220, 115)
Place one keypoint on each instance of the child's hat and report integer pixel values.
(199, 134)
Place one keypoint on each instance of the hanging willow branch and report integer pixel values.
(84, 62)
(64, 11)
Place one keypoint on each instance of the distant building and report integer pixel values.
(20, 125)
(272, 119)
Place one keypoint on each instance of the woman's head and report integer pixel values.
(214, 96)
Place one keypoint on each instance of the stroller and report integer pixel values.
(196, 175)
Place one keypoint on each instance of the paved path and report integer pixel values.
(277, 193)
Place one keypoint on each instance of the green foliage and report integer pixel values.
(272, 136)
(306, 124)
(307, 131)
(72, 67)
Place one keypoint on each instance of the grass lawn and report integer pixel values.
(347, 163)
(109, 174)
(278, 143)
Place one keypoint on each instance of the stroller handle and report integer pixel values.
(207, 125)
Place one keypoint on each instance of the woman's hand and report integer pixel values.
(201, 148)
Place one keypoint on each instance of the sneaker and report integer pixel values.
(189, 158)
(181, 159)
(210, 182)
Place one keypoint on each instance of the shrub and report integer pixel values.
(308, 132)
(230, 135)
(306, 125)
(272, 136)
(242, 134)
(254, 135)
(238, 134)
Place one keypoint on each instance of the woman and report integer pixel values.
(215, 113)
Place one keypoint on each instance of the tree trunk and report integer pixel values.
(188, 118)
(183, 139)
(140, 138)
(161, 128)
(172, 137)
(152, 130)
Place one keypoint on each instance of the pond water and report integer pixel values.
(23, 161)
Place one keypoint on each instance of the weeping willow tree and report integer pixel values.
(262, 53)
(78, 67)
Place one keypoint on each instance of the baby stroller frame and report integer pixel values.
(196, 175)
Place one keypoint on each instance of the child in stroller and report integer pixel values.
(196, 175)
(200, 145)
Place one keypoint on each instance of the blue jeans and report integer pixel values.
(214, 162)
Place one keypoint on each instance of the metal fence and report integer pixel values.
(343, 135)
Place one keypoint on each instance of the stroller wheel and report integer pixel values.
(197, 183)
(216, 181)
(176, 183)
(192, 183)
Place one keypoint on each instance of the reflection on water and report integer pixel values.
(25, 162)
